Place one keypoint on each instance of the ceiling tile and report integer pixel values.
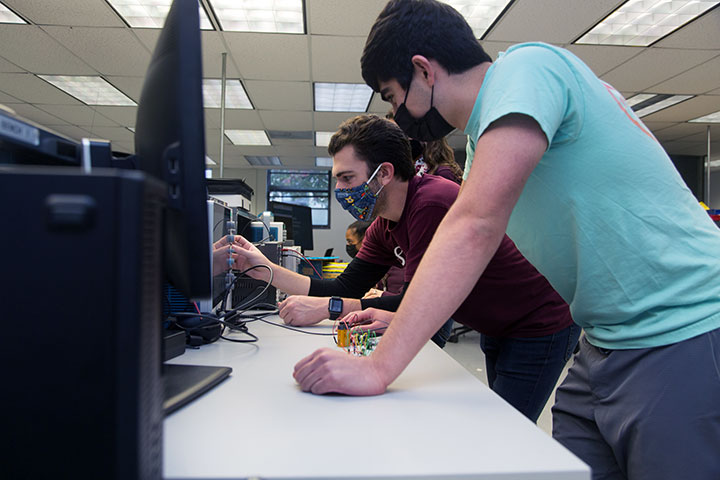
(494, 48)
(602, 58)
(104, 49)
(268, 56)
(78, 115)
(703, 32)
(123, 116)
(288, 120)
(234, 119)
(700, 79)
(29, 88)
(114, 134)
(7, 99)
(687, 110)
(330, 121)
(551, 21)
(89, 13)
(130, 86)
(34, 50)
(75, 133)
(681, 131)
(343, 17)
(337, 59)
(37, 115)
(653, 66)
(268, 95)
(213, 47)
(9, 67)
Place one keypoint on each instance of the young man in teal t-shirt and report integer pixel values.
(558, 160)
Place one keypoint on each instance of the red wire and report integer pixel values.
(304, 258)
(197, 308)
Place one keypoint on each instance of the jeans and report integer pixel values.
(524, 371)
(441, 336)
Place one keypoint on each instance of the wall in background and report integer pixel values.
(323, 238)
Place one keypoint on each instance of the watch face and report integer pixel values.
(335, 305)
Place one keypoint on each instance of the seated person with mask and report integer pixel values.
(393, 281)
(511, 304)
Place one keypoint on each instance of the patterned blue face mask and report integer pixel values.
(360, 200)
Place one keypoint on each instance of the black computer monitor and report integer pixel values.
(302, 228)
(170, 145)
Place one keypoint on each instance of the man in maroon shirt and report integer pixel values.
(528, 334)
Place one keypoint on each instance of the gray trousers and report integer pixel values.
(644, 414)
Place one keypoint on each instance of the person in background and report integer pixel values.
(559, 161)
(392, 283)
(435, 158)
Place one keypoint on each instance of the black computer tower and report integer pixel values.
(81, 260)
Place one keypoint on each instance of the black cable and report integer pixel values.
(293, 328)
(239, 328)
(237, 276)
(247, 303)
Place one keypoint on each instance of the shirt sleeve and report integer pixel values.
(359, 277)
(387, 302)
(536, 81)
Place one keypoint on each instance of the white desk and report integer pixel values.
(435, 421)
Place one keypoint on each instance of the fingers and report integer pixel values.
(313, 373)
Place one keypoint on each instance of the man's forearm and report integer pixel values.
(287, 281)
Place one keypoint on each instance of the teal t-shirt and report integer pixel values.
(605, 216)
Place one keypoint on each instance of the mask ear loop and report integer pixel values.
(373, 176)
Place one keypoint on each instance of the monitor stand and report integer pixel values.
(184, 383)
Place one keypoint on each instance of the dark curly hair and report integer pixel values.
(418, 27)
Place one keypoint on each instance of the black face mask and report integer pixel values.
(351, 250)
(432, 126)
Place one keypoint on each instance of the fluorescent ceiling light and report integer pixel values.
(89, 90)
(639, 98)
(642, 22)
(235, 95)
(262, 160)
(715, 163)
(342, 97)
(269, 16)
(248, 137)
(480, 14)
(208, 173)
(657, 103)
(712, 118)
(322, 139)
(323, 162)
(132, 129)
(209, 161)
(151, 13)
(8, 16)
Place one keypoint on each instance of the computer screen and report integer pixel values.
(170, 145)
(302, 228)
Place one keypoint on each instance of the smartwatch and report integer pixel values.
(335, 307)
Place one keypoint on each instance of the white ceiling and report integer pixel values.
(86, 37)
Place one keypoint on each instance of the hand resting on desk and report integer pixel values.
(330, 370)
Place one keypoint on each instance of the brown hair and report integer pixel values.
(376, 141)
(439, 153)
